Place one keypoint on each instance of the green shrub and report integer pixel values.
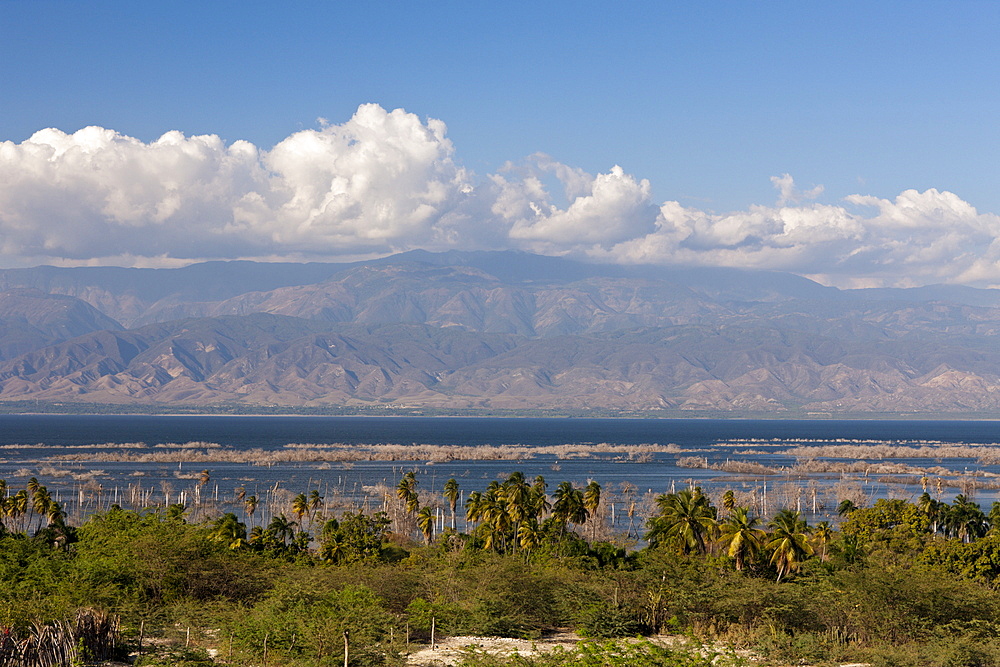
(306, 626)
(603, 621)
(175, 657)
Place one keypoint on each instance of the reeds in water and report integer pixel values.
(739, 467)
(197, 453)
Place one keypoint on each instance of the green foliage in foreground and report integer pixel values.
(900, 584)
(305, 625)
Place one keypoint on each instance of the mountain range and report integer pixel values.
(494, 331)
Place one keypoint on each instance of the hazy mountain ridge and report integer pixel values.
(125, 294)
(30, 319)
(134, 297)
(441, 331)
(470, 299)
(276, 359)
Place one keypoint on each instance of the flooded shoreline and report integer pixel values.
(89, 473)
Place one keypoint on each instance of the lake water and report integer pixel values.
(41, 446)
(248, 432)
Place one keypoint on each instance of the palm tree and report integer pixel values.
(488, 512)
(55, 515)
(300, 506)
(315, 502)
(251, 505)
(32, 488)
(687, 520)
(332, 546)
(495, 517)
(994, 516)
(57, 533)
(451, 493)
(425, 522)
(474, 507)
(568, 506)
(728, 501)
(789, 542)
(591, 502)
(281, 528)
(230, 531)
(40, 501)
(516, 496)
(932, 509)
(529, 536)
(407, 492)
(741, 538)
(539, 501)
(17, 505)
(412, 502)
(256, 536)
(822, 534)
(965, 520)
(846, 506)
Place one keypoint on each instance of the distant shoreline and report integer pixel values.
(91, 410)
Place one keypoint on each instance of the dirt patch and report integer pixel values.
(449, 650)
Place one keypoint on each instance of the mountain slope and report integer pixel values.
(498, 331)
(125, 294)
(31, 319)
(258, 358)
(135, 297)
(276, 360)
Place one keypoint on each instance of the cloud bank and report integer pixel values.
(386, 181)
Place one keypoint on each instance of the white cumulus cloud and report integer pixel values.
(82, 194)
(918, 238)
(602, 210)
(385, 181)
(381, 181)
(790, 194)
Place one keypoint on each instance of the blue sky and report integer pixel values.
(705, 101)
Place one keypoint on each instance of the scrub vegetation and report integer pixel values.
(896, 583)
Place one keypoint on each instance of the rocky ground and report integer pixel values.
(449, 650)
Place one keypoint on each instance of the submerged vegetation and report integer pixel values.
(207, 452)
(895, 583)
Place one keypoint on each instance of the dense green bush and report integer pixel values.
(876, 592)
(306, 626)
(33, 582)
